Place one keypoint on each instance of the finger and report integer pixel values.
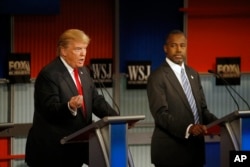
(79, 96)
(204, 129)
(198, 130)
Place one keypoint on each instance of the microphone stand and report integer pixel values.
(101, 85)
(228, 84)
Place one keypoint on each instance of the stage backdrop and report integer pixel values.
(218, 29)
(143, 27)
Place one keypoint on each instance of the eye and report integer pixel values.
(173, 45)
(78, 49)
(183, 45)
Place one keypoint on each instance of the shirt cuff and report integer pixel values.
(73, 112)
(187, 133)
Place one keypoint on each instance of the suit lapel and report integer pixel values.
(176, 85)
(84, 82)
(70, 82)
(67, 78)
(85, 87)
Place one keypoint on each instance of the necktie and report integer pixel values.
(79, 88)
(189, 94)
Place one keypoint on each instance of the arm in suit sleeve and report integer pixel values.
(101, 107)
(165, 106)
(207, 116)
(50, 99)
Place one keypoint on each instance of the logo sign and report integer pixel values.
(19, 68)
(239, 158)
(101, 71)
(229, 69)
(137, 74)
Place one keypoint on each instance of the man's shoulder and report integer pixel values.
(54, 64)
(190, 69)
(161, 68)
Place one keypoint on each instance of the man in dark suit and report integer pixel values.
(60, 109)
(178, 140)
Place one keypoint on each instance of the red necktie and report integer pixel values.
(79, 89)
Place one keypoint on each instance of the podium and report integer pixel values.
(108, 146)
(234, 134)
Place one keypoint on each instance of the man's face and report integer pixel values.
(74, 53)
(176, 48)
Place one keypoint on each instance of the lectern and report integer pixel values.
(6, 126)
(235, 134)
(108, 146)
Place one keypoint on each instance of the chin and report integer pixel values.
(81, 64)
(178, 62)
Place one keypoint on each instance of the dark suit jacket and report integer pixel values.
(53, 120)
(172, 114)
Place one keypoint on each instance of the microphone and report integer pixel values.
(228, 84)
(102, 86)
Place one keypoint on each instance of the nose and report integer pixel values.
(178, 48)
(83, 52)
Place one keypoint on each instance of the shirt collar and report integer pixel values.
(70, 69)
(175, 67)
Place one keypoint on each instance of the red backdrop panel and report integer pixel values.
(218, 30)
(38, 34)
(4, 152)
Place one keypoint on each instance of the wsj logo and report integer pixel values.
(138, 73)
(19, 68)
(229, 70)
(102, 72)
(239, 158)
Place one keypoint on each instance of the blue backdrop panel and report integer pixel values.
(143, 27)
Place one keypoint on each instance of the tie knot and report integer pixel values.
(75, 71)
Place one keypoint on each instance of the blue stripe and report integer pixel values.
(118, 145)
(245, 134)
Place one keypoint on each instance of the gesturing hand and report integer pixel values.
(76, 102)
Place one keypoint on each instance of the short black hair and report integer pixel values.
(173, 32)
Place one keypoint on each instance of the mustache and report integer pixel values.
(179, 54)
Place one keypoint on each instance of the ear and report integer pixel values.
(165, 48)
(63, 51)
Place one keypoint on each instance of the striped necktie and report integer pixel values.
(187, 89)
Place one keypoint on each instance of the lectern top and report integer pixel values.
(230, 117)
(83, 134)
(114, 119)
(6, 125)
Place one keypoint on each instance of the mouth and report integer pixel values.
(178, 57)
(81, 61)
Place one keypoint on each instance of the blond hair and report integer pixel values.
(71, 35)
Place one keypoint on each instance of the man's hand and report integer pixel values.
(197, 129)
(76, 102)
